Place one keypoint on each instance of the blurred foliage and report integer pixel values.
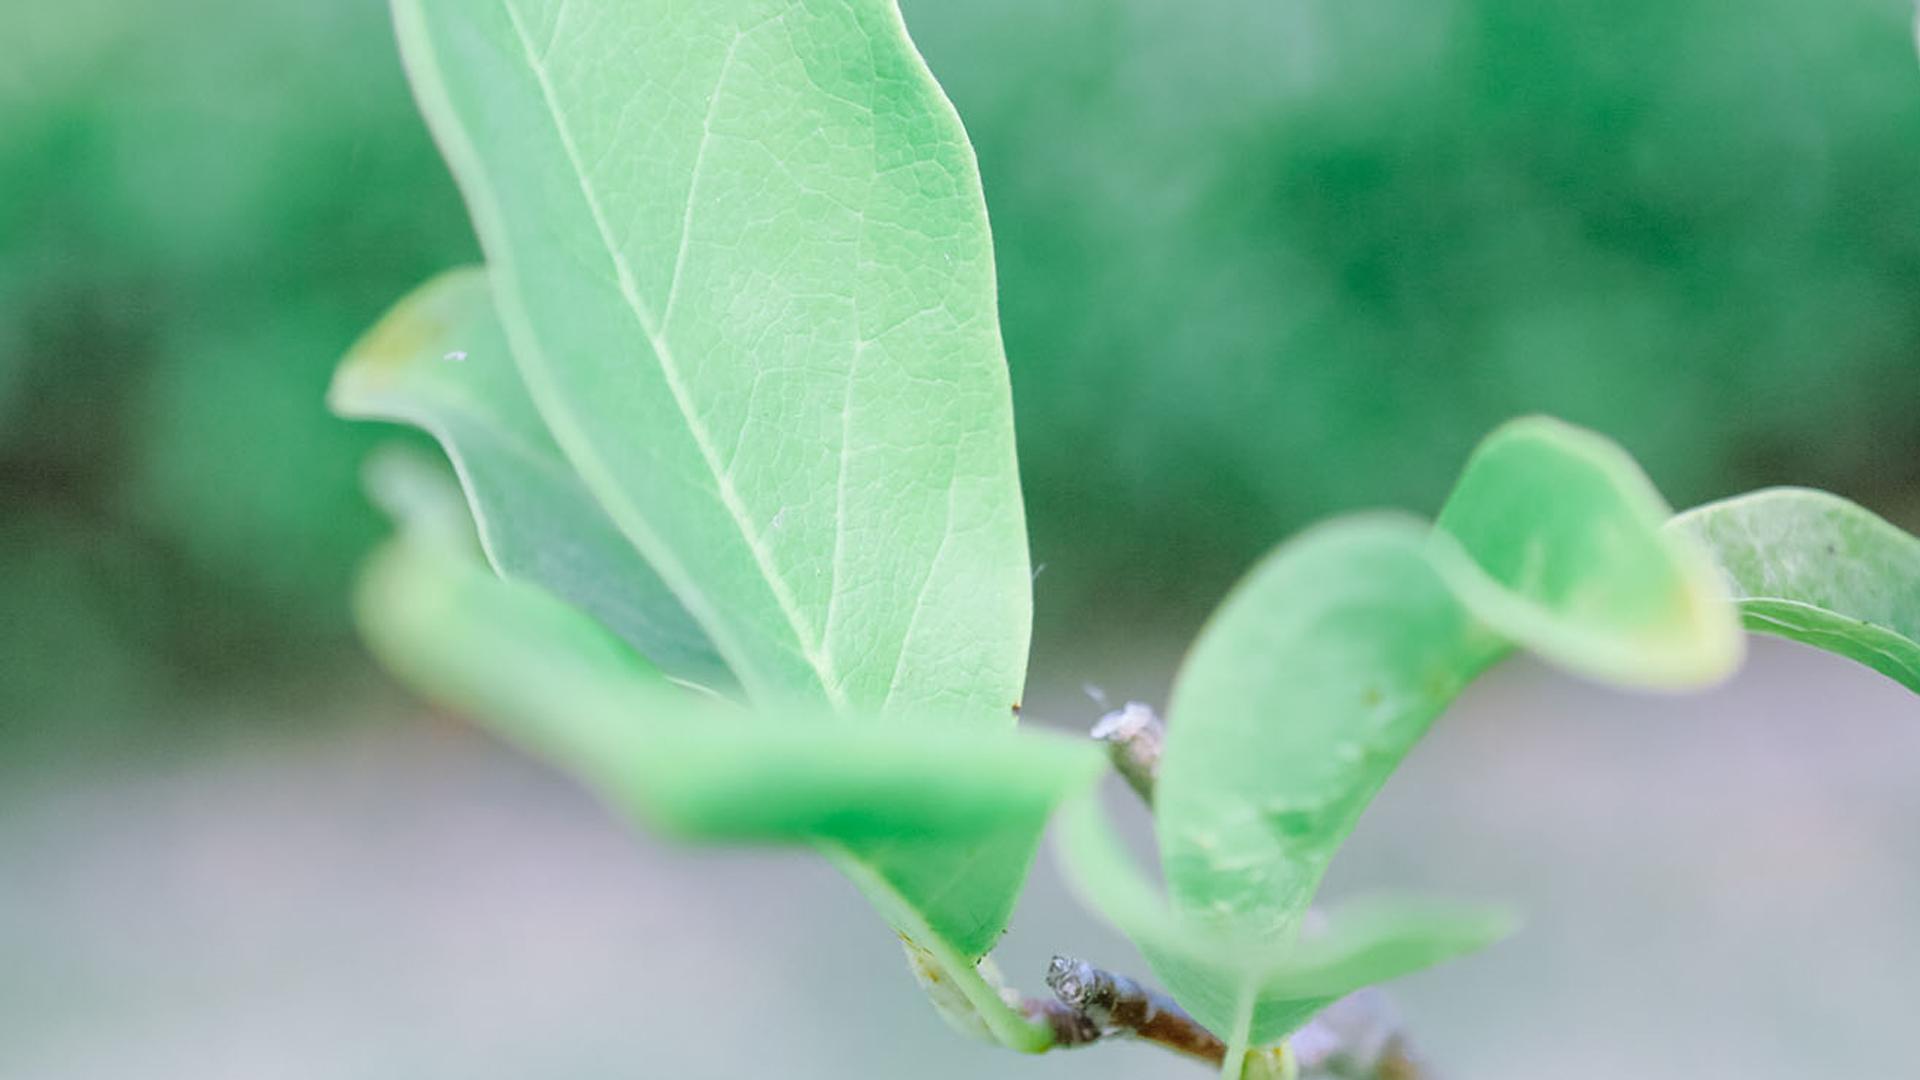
(201, 204)
(1260, 262)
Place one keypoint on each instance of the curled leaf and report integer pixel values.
(1815, 568)
(1303, 693)
(1570, 559)
(1332, 658)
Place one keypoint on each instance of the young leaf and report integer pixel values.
(1325, 666)
(1262, 989)
(439, 361)
(1303, 692)
(1818, 569)
(1569, 558)
(741, 254)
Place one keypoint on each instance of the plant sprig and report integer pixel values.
(731, 419)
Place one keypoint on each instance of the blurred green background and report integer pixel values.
(1261, 261)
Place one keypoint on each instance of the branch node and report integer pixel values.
(1069, 1025)
(1135, 736)
(1117, 1005)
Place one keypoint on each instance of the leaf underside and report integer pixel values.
(1815, 568)
(741, 259)
(439, 361)
(757, 419)
(741, 255)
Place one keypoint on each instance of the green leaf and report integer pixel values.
(694, 766)
(1301, 695)
(1333, 657)
(1262, 989)
(439, 361)
(1364, 942)
(1815, 568)
(741, 255)
(1570, 558)
(907, 808)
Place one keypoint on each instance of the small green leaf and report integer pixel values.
(1815, 568)
(439, 362)
(1338, 651)
(1569, 558)
(1301, 696)
(1364, 942)
(1275, 984)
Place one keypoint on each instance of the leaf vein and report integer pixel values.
(676, 384)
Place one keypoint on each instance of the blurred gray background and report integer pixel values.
(1717, 886)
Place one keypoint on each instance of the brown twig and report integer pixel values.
(1116, 1005)
(1069, 1025)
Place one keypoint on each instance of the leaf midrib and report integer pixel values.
(736, 508)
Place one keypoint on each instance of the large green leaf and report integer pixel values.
(1818, 569)
(1335, 655)
(741, 253)
(741, 256)
(439, 361)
